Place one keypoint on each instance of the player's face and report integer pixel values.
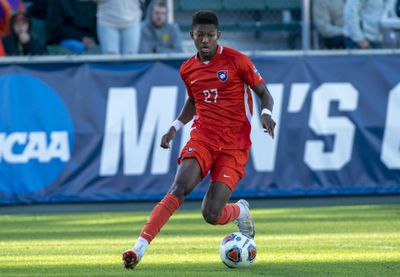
(205, 37)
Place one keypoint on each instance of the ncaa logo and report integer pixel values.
(36, 134)
(222, 75)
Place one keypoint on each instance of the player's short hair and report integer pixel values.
(205, 17)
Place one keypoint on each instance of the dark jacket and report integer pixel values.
(13, 47)
(38, 9)
(70, 19)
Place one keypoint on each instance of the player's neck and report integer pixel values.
(208, 58)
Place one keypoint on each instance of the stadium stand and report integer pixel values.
(246, 25)
(256, 17)
(258, 9)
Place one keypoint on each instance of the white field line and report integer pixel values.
(368, 246)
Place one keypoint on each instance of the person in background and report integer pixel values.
(38, 9)
(71, 24)
(37, 12)
(7, 9)
(20, 41)
(362, 23)
(144, 4)
(391, 24)
(328, 20)
(118, 26)
(157, 35)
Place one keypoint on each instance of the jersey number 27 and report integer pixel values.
(210, 96)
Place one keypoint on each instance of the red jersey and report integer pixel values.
(222, 95)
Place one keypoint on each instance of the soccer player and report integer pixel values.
(218, 81)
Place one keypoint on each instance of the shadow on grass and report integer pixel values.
(298, 269)
(336, 220)
(197, 227)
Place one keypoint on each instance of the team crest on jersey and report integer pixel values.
(222, 75)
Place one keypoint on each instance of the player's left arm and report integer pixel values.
(267, 104)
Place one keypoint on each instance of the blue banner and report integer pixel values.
(72, 132)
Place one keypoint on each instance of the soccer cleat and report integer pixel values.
(130, 259)
(245, 221)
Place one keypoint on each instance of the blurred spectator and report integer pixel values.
(38, 9)
(362, 23)
(118, 26)
(159, 36)
(72, 25)
(20, 41)
(144, 4)
(328, 19)
(7, 9)
(391, 23)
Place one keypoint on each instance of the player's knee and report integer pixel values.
(179, 189)
(210, 216)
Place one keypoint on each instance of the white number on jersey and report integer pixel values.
(210, 94)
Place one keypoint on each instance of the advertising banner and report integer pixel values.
(79, 132)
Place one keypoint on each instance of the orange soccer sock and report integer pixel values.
(229, 213)
(159, 216)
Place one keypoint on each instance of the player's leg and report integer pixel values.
(188, 176)
(214, 207)
(228, 169)
(186, 179)
(217, 211)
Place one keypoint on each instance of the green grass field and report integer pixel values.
(320, 241)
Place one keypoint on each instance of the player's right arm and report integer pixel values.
(187, 113)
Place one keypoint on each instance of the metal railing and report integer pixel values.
(179, 56)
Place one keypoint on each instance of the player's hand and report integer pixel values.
(24, 37)
(166, 139)
(268, 124)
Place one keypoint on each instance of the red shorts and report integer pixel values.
(225, 165)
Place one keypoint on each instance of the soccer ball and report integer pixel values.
(237, 250)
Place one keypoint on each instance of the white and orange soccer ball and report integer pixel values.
(237, 250)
